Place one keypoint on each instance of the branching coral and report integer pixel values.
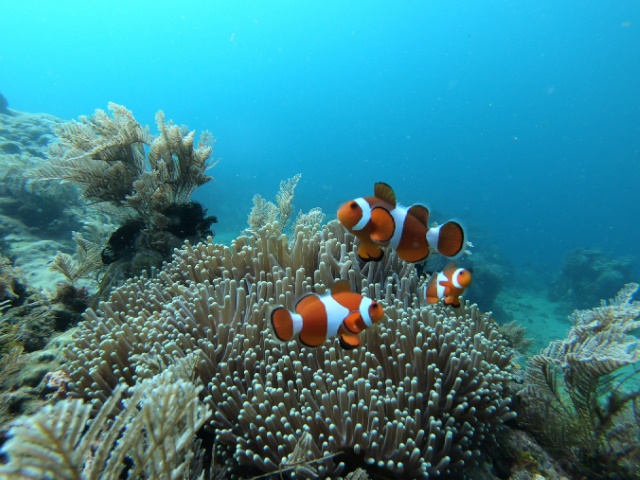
(154, 431)
(589, 382)
(177, 170)
(102, 154)
(105, 156)
(420, 398)
(87, 260)
(278, 215)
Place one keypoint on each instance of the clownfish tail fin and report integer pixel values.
(448, 238)
(282, 324)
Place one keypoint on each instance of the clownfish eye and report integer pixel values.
(353, 205)
(374, 305)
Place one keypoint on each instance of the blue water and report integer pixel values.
(522, 119)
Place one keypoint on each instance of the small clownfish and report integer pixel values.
(342, 312)
(379, 221)
(448, 285)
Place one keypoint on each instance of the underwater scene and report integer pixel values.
(307, 240)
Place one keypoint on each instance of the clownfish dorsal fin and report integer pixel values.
(340, 286)
(420, 212)
(450, 269)
(385, 192)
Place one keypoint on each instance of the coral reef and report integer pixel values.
(516, 336)
(30, 342)
(589, 384)
(588, 275)
(278, 215)
(153, 433)
(520, 457)
(422, 397)
(24, 386)
(105, 156)
(4, 105)
(27, 318)
(87, 260)
(490, 272)
(145, 182)
(46, 211)
(12, 284)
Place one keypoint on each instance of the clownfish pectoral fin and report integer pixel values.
(448, 238)
(340, 286)
(370, 252)
(453, 301)
(282, 324)
(349, 341)
(383, 225)
(353, 323)
(420, 212)
(384, 192)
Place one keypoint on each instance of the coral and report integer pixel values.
(105, 156)
(589, 275)
(75, 299)
(86, 261)
(23, 384)
(188, 220)
(589, 383)
(4, 105)
(315, 216)
(154, 431)
(420, 398)
(284, 199)
(515, 335)
(12, 283)
(177, 170)
(265, 212)
(490, 273)
(46, 211)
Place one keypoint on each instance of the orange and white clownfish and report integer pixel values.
(448, 285)
(379, 221)
(316, 318)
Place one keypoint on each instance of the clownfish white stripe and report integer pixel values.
(454, 278)
(439, 285)
(336, 314)
(433, 234)
(366, 213)
(364, 311)
(296, 319)
(399, 214)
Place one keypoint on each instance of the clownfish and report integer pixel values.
(379, 221)
(316, 318)
(448, 285)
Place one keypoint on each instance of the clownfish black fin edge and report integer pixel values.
(384, 192)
